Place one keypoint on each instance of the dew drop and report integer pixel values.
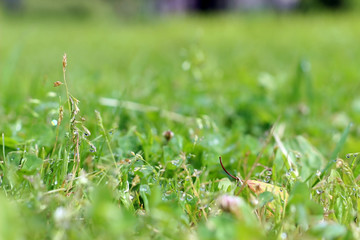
(347, 155)
(145, 189)
(267, 179)
(319, 191)
(92, 148)
(54, 122)
(182, 198)
(176, 163)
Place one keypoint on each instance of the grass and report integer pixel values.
(273, 94)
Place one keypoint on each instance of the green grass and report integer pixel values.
(273, 94)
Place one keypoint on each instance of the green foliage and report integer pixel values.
(128, 146)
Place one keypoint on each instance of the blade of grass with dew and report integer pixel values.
(105, 135)
(3, 145)
(334, 154)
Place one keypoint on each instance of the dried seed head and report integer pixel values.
(57, 83)
(61, 115)
(168, 135)
(64, 61)
(135, 181)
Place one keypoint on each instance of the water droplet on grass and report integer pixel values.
(54, 122)
(145, 188)
(176, 163)
(267, 179)
(182, 198)
(283, 235)
(92, 148)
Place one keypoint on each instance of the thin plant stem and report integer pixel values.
(194, 190)
(107, 140)
(58, 128)
(65, 82)
(3, 145)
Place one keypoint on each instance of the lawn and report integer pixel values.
(153, 103)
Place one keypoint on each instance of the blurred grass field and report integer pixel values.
(219, 83)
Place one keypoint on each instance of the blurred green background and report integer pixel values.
(244, 68)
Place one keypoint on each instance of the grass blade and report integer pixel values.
(334, 154)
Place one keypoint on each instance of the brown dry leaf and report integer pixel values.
(260, 187)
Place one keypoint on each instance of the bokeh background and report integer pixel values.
(244, 63)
